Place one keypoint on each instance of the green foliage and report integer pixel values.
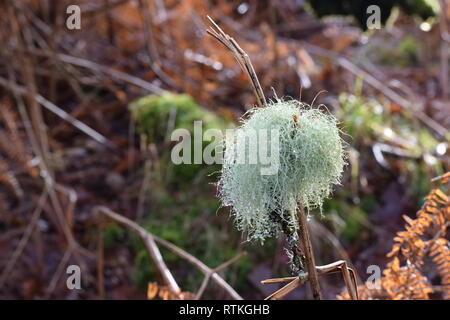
(311, 160)
(143, 272)
(359, 115)
(112, 235)
(366, 119)
(368, 122)
(153, 114)
(180, 213)
(404, 54)
(190, 222)
(353, 218)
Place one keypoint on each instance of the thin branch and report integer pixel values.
(58, 111)
(151, 239)
(444, 49)
(308, 252)
(102, 69)
(152, 51)
(118, 75)
(291, 286)
(381, 87)
(200, 265)
(149, 242)
(24, 240)
(241, 57)
(442, 177)
(218, 269)
(100, 262)
(294, 282)
(59, 270)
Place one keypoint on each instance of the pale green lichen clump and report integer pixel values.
(311, 160)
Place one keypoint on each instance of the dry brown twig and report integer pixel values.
(374, 82)
(305, 242)
(58, 111)
(100, 69)
(201, 266)
(294, 282)
(155, 63)
(241, 57)
(24, 240)
(445, 35)
(22, 42)
(150, 241)
(215, 270)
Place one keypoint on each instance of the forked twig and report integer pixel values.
(200, 265)
(215, 270)
(150, 244)
(151, 239)
(241, 57)
(341, 266)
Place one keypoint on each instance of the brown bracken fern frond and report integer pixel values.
(154, 291)
(13, 151)
(420, 257)
(8, 179)
(11, 141)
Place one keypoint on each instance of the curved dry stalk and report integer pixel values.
(149, 242)
(379, 86)
(24, 240)
(313, 271)
(58, 112)
(445, 35)
(46, 173)
(305, 242)
(201, 266)
(341, 266)
(150, 239)
(241, 57)
(215, 270)
(57, 275)
(154, 59)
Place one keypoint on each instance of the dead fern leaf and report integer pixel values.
(163, 292)
(418, 253)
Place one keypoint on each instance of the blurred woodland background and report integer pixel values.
(85, 123)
